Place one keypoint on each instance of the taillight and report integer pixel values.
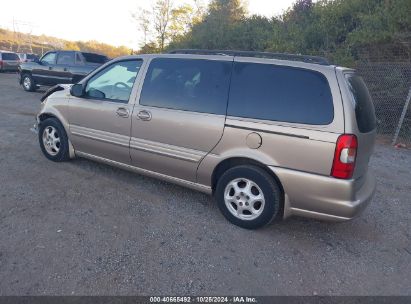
(344, 156)
(1, 63)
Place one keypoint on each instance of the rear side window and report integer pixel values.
(364, 107)
(65, 58)
(278, 93)
(187, 84)
(95, 58)
(10, 56)
(31, 56)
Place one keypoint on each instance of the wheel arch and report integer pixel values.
(231, 162)
(45, 115)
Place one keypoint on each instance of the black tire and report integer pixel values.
(28, 83)
(267, 184)
(63, 147)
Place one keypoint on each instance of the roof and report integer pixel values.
(267, 55)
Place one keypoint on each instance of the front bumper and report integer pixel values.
(323, 197)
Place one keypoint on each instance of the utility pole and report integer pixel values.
(19, 37)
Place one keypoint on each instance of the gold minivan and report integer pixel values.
(269, 135)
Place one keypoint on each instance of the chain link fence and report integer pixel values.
(390, 88)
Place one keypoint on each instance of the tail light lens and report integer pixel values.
(344, 156)
(1, 63)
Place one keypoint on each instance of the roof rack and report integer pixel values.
(280, 56)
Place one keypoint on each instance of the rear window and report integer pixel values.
(95, 58)
(277, 93)
(364, 107)
(10, 56)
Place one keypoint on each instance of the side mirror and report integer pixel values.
(97, 94)
(77, 90)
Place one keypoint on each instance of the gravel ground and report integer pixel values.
(84, 228)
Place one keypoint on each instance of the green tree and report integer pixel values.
(215, 31)
(162, 19)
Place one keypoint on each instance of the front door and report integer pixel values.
(43, 73)
(100, 121)
(181, 114)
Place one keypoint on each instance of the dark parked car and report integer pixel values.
(9, 61)
(58, 67)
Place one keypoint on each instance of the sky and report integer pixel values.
(104, 21)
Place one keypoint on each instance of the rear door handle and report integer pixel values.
(144, 115)
(123, 112)
(50, 68)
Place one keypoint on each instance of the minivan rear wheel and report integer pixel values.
(248, 196)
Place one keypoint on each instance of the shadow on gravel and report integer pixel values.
(305, 228)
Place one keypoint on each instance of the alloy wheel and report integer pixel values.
(244, 199)
(27, 83)
(51, 140)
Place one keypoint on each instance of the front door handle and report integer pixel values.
(123, 112)
(144, 115)
(50, 68)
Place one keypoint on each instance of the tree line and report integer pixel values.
(344, 31)
(21, 42)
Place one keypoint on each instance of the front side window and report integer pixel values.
(115, 82)
(49, 58)
(65, 58)
(187, 84)
(278, 93)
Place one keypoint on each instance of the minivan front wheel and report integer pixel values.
(248, 196)
(53, 140)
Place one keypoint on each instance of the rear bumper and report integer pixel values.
(323, 197)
